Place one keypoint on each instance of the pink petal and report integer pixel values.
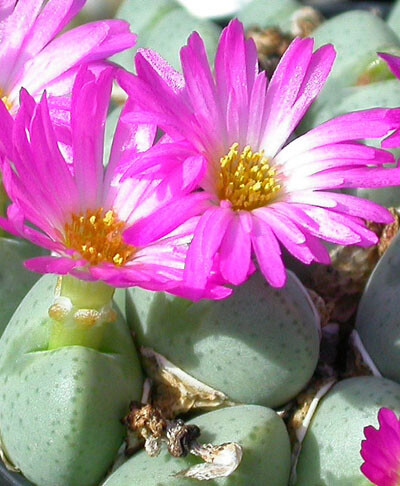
(207, 239)
(235, 69)
(129, 138)
(268, 254)
(235, 253)
(6, 7)
(13, 31)
(377, 476)
(61, 54)
(30, 184)
(374, 123)
(201, 89)
(90, 99)
(119, 37)
(6, 124)
(321, 223)
(343, 203)
(166, 219)
(162, 93)
(295, 84)
(338, 178)
(56, 14)
(393, 141)
(287, 233)
(381, 450)
(62, 85)
(392, 61)
(50, 264)
(335, 151)
(149, 63)
(257, 111)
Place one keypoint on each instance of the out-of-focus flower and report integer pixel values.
(34, 57)
(79, 210)
(261, 193)
(381, 450)
(394, 65)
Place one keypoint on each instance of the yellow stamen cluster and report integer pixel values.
(246, 179)
(97, 236)
(6, 101)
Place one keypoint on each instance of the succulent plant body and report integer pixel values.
(61, 405)
(262, 434)
(259, 346)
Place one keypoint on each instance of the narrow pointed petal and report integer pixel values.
(55, 15)
(57, 265)
(90, 102)
(392, 61)
(235, 253)
(374, 123)
(268, 253)
(166, 219)
(381, 450)
(207, 239)
(53, 61)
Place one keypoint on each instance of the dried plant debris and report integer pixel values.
(342, 282)
(118, 95)
(297, 415)
(304, 21)
(388, 233)
(322, 309)
(176, 392)
(307, 403)
(181, 439)
(327, 366)
(219, 461)
(8, 464)
(271, 44)
(301, 419)
(359, 362)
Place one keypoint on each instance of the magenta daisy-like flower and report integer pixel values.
(80, 210)
(263, 192)
(394, 64)
(34, 57)
(381, 450)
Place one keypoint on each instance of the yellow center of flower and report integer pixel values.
(6, 101)
(247, 179)
(97, 236)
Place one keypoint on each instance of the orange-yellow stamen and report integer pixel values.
(97, 236)
(5, 100)
(247, 179)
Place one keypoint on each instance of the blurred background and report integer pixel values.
(100, 9)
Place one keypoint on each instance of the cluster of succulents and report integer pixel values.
(172, 286)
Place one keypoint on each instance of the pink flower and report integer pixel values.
(80, 210)
(34, 57)
(394, 65)
(261, 193)
(381, 450)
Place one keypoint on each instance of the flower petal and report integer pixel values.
(295, 84)
(166, 219)
(207, 239)
(90, 100)
(50, 264)
(268, 253)
(392, 61)
(235, 253)
(374, 123)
